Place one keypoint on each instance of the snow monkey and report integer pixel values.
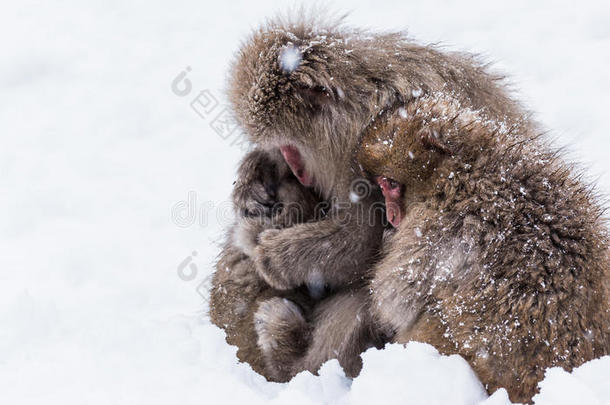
(303, 90)
(500, 252)
(238, 289)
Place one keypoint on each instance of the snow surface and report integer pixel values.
(117, 182)
(290, 59)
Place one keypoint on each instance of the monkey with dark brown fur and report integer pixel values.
(283, 324)
(500, 253)
(238, 289)
(308, 88)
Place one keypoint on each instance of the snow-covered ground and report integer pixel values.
(115, 192)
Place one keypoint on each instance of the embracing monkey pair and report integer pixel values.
(472, 235)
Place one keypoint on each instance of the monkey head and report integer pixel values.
(304, 87)
(410, 150)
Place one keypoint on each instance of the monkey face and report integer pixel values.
(399, 162)
(411, 150)
(404, 151)
(402, 156)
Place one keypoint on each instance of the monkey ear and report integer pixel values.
(433, 139)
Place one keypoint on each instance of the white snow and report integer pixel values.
(290, 59)
(416, 374)
(403, 112)
(340, 93)
(586, 385)
(112, 118)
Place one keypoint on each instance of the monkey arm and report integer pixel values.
(333, 252)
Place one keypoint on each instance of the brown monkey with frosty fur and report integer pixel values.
(289, 315)
(501, 252)
(237, 288)
(309, 88)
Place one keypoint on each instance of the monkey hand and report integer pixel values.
(255, 192)
(269, 259)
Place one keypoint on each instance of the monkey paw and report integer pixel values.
(277, 322)
(255, 193)
(268, 257)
